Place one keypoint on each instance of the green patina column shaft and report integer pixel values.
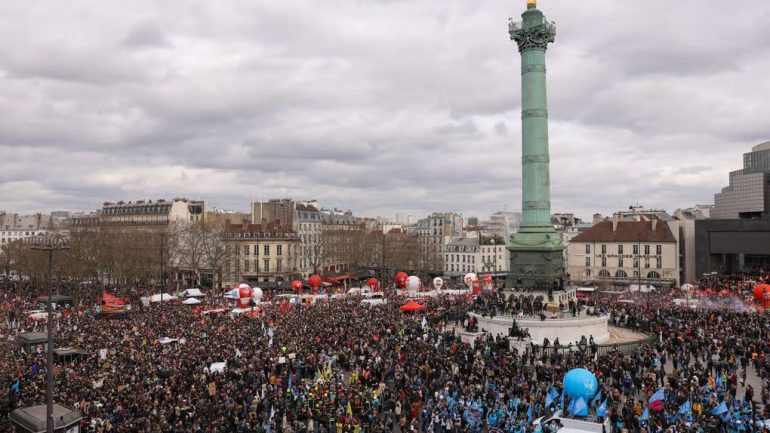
(537, 249)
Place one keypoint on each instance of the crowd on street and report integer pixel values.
(343, 366)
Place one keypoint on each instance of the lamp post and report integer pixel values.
(49, 243)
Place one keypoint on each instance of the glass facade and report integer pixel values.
(748, 193)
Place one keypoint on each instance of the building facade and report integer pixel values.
(160, 213)
(476, 254)
(434, 233)
(619, 253)
(748, 193)
(260, 253)
(311, 257)
(15, 227)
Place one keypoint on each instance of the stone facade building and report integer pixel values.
(260, 253)
(620, 253)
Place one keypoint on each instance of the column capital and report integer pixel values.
(532, 37)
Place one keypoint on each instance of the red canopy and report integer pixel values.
(412, 306)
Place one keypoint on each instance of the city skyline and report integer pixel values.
(378, 107)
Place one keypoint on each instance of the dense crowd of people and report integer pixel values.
(342, 366)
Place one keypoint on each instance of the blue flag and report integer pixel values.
(598, 397)
(529, 413)
(685, 408)
(719, 410)
(550, 397)
(645, 415)
(659, 395)
(719, 380)
(602, 409)
(580, 408)
(561, 402)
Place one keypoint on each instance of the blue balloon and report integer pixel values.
(580, 382)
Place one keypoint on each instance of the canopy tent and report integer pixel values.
(163, 297)
(191, 301)
(412, 306)
(193, 293)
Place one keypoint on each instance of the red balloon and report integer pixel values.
(315, 282)
(296, 285)
(762, 294)
(244, 295)
(372, 283)
(401, 280)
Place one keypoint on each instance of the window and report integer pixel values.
(646, 262)
(604, 262)
(245, 266)
(588, 251)
(266, 265)
(646, 250)
(621, 274)
(620, 248)
(604, 249)
(658, 249)
(267, 250)
(245, 250)
(658, 263)
(256, 250)
(653, 274)
(587, 273)
(604, 273)
(588, 261)
(636, 262)
(620, 262)
(636, 274)
(636, 249)
(279, 250)
(278, 265)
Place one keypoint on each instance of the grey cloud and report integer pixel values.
(381, 107)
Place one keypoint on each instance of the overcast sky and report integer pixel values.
(379, 106)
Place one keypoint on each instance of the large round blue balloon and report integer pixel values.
(580, 382)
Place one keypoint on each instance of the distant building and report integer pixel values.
(622, 252)
(160, 213)
(503, 224)
(748, 193)
(476, 254)
(222, 217)
(260, 253)
(736, 237)
(687, 248)
(434, 232)
(16, 227)
(282, 210)
(311, 254)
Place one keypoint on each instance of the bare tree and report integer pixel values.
(214, 251)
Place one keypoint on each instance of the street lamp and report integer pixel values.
(49, 243)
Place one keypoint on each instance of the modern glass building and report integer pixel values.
(748, 194)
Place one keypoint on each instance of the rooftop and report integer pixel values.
(627, 231)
